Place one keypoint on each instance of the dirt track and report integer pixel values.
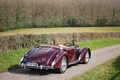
(98, 56)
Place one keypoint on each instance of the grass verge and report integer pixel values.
(96, 44)
(109, 70)
(11, 60)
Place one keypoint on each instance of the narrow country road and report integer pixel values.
(98, 56)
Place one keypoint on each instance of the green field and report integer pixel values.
(61, 30)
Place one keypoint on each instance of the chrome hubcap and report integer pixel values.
(87, 57)
(64, 64)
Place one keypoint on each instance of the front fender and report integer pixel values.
(57, 61)
(83, 53)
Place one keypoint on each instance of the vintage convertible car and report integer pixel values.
(55, 56)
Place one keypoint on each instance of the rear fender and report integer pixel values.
(83, 53)
(57, 61)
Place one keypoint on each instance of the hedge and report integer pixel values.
(21, 41)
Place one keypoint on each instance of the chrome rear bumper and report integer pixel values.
(35, 66)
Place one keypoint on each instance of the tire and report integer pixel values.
(87, 57)
(63, 65)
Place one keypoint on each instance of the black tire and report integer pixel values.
(87, 57)
(63, 65)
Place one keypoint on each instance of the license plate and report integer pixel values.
(31, 64)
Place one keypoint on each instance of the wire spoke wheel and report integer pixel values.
(63, 66)
(87, 57)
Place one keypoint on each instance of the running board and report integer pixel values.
(74, 62)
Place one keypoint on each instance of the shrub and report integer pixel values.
(26, 24)
(72, 22)
(53, 23)
(114, 23)
(5, 27)
(101, 22)
(84, 22)
(30, 24)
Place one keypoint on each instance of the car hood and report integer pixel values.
(42, 55)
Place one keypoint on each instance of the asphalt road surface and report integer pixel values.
(98, 57)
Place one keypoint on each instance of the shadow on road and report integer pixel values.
(31, 72)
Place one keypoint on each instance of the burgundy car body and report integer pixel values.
(50, 56)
